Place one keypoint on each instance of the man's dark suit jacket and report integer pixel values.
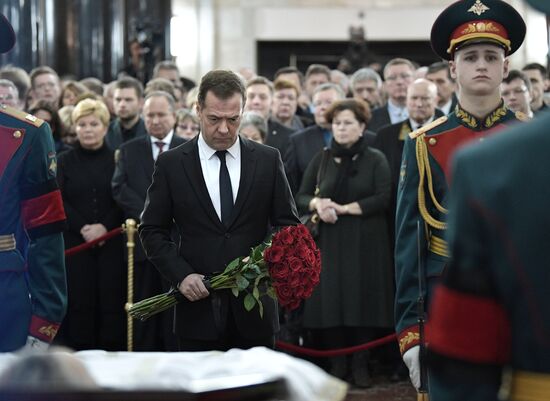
(380, 118)
(116, 136)
(278, 135)
(302, 146)
(133, 175)
(179, 194)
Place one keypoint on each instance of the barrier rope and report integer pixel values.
(79, 248)
(335, 352)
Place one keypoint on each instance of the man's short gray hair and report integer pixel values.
(328, 86)
(366, 74)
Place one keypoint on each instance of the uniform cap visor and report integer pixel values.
(7, 35)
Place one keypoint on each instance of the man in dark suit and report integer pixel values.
(259, 99)
(127, 103)
(398, 75)
(133, 175)
(224, 193)
(421, 107)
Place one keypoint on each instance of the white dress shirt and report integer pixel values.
(166, 140)
(397, 114)
(210, 165)
(446, 108)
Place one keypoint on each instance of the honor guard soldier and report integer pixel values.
(475, 36)
(489, 329)
(33, 293)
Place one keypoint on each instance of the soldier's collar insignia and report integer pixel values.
(465, 117)
(495, 116)
(478, 8)
(472, 122)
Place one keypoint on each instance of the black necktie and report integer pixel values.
(226, 193)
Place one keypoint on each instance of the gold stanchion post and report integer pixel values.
(130, 228)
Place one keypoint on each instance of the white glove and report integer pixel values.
(412, 359)
(33, 344)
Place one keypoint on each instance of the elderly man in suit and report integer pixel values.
(133, 175)
(225, 193)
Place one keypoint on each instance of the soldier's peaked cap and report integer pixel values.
(477, 21)
(7, 36)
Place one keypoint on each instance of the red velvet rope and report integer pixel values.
(79, 248)
(335, 352)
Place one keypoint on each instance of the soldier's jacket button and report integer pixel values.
(432, 141)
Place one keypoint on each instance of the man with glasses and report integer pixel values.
(45, 84)
(516, 93)
(398, 75)
(475, 36)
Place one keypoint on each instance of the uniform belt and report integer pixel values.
(526, 386)
(438, 246)
(7, 242)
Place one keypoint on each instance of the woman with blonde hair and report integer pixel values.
(71, 92)
(187, 124)
(95, 277)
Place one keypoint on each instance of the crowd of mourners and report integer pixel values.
(340, 138)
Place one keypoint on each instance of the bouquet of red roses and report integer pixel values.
(287, 268)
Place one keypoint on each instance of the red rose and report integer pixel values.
(295, 279)
(284, 237)
(295, 264)
(274, 254)
(299, 291)
(278, 272)
(284, 294)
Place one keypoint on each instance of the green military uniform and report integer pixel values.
(33, 293)
(490, 324)
(492, 311)
(425, 165)
(425, 171)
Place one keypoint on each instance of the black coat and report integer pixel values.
(133, 176)
(116, 135)
(179, 194)
(278, 135)
(380, 118)
(302, 147)
(96, 278)
(356, 288)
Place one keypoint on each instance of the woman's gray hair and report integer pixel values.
(255, 120)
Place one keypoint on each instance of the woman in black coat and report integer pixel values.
(355, 295)
(95, 277)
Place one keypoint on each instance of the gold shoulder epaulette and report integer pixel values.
(521, 116)
(23, 116)
(416, 133)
